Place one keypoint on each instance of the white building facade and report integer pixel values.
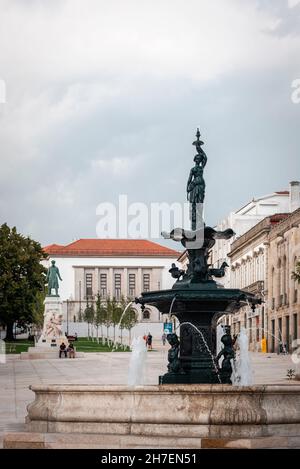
(243, 219)
(113, 268)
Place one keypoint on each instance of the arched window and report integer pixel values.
(146, 314)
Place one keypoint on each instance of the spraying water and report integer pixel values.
(206, 346)
(242, 369)
(219, 333)
(137, 364)
(171, 308)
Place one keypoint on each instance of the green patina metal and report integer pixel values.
(52, 278)
(196, 299)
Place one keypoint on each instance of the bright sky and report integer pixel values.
(103, 98)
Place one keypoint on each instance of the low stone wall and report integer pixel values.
(42, 353)
(183, 415)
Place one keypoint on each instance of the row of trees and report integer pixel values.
(109, 312)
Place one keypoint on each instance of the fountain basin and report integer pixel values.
(175, 416)
(198, 297)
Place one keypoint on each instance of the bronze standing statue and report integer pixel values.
(196, 184)
(52, 279)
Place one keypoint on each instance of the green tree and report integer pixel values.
(116, 313)
(108, 315)
(100, 314)
(38, 309)
(89, 314)
(129, 320)
(296, 274)
(22, 277)
(123, 304)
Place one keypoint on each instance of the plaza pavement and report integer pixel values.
(99, 368)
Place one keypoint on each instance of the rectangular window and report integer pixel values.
(103, 285)
(287, 333)
(250, 329)
(131, 285)
(89, 285)
(262, 322)
(295, 327)
(280, 334)
(118, 286)
(273, 336)
(295, 296)
(146, 282)
(280, 300)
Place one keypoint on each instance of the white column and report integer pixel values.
(124, 289)
(139, 281)
(110, 283)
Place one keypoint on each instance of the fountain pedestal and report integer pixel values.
(197, 346)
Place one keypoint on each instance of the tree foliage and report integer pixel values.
(22, 278)
(129, 320)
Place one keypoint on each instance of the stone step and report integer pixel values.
(27, 440)
(39, 354)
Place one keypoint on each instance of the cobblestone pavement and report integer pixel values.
(99, 368)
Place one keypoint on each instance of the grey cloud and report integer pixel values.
(59, 163)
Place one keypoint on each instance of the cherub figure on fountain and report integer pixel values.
(174, 363)
(228, 355)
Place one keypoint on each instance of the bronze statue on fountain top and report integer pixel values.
(200, 239)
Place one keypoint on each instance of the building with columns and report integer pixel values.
(283, 290)
(262, 261)
(113, 268)
(249, 271)
(245, 218)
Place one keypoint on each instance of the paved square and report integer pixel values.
(99, 368)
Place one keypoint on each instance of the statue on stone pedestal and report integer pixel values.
(52, 279)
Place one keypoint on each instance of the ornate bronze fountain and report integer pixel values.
(196, 299)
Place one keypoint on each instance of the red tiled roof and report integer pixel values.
(277, 217)
(282, 192)
(111, 248)
(51, 247)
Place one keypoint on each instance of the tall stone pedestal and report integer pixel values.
(52, 335)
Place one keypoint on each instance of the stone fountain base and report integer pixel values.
(168, 416)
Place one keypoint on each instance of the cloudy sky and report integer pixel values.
(104, 97)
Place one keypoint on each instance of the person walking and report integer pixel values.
(164, 338)
(149, 341)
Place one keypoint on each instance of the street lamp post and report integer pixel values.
(67, 317)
